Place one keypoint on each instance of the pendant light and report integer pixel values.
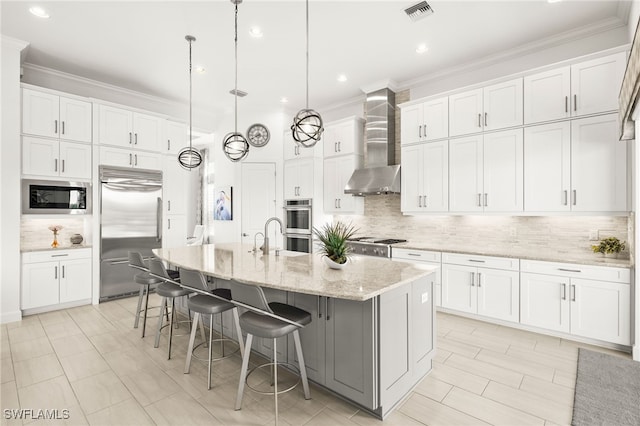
(235, 145)
(307, 124)
(188, 157)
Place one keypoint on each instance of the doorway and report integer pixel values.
(258, 202)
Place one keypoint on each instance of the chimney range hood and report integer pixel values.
(380, 175)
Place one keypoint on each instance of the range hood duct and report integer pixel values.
(380, 175)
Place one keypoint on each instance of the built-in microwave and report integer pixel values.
(298, 217)
(55, 197)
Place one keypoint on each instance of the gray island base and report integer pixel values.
(372, 338)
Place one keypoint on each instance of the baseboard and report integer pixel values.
(10, 317)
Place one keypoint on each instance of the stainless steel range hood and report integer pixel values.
(381, 175)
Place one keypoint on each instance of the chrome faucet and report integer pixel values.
(255, 245)
(265, 245)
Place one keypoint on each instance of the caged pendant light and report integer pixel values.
(188, 157)
(235, 145)
(307, 124)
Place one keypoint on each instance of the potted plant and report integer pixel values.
(609, 247)
(333, 243)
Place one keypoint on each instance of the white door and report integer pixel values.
(598, 165)
(175, 231)
(147, 160)
(146, 131)
(305, 177)
(595, 84)
(291, 179)
(503, 171)
(330, 141)
(411, 178)
(40, 284)
(259, 202)
(601, 310)
(174, 180)
(346, 139)
(411, 124)
(116, 157)
(435, 176)
(465, 174)
(459, 290)
(465, 113)
(75, 120)
(40, 113)
(547, 167)
(347, 204)
(115, 126)
(544, 301)
(499, 294)
(40, 157)
(330, 185)
(546, 95)
(75, 160)
(176, 138)
(75, 280)
(503, 105)
(436, 119)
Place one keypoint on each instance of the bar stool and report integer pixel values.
(168, 289)
(146, 281)
(270, 321)
(213, 302)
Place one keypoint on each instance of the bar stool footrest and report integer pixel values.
(270, 364)
(206, 358)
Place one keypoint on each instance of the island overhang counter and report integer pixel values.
(372, 338)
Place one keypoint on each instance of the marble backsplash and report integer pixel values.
(552, 235)
(35, 233)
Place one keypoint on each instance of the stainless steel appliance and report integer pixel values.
(372, 246)
(130, 220)
(55, 197)
(298, 224)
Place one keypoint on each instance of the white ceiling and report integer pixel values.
(141, 45)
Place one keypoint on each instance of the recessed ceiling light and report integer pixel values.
(554, 1)
(255, 32)
(342, 78)
(201, 69)
(421, 48)
(39, 12)
(284, 100)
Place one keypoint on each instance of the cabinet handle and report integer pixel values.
(413, 254)
(63, 134)
(319, 310)
(473, 279)
(485, 118)
(55, 165)
(130, 138)
(135, 139)
(425, 130)
(135, 163)
(479, 279)
(575, 197)
(335, 147)
(55, 272)
(566, 104)
(168, 223)
(339, 147)
(479, 120)
(476, 260)
(485, 199)
(168, 144)
(566, 197)
(573, 288)
(169, 205)
(419, 132)
(563, 290)
(575, 102)
(569, 270)
(62, 271)
(479, 200)
(326, 306)
(419, 200)
(130, 159)
(55, 126)
(59, 255)
(62, 166)
(424, 201)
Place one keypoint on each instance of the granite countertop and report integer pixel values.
(362, 279)
(524, 253)
(29, 249)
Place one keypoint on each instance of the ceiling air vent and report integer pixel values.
(240, 93)
(418, 11)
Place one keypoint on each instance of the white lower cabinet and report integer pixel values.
(175, 231)
(586, 301)
(423, 257)
(54, 277)
(486, 290)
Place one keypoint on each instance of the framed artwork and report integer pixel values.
(223, 203)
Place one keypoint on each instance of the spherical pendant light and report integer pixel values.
(188, 157)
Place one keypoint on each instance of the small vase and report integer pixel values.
(76, 239)
(611, 255)
(333, 265)
(55, 243)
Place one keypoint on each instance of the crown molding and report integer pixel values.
(607, 24)
(624, 11)
(355, 100)
(13, 43)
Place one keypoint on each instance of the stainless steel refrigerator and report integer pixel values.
(130, 220)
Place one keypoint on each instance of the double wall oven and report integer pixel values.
(298, 233)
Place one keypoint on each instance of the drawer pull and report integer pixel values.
(413, 254)
(563, 288)
(59, 255)
(475, 260)
(569, 270)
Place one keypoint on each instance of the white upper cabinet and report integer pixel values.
(49, 115)
(343, 137)
(425, 121)
(598, 165)
(174, 181)
(292, 149)
(176, 137)
(588, 87)
(51, 158)
(298, 178)
(425, 178)
(595, 84)
(75, 160)
(465, 174)
(493, 107)
(547, 167)
(126, 128)
(337, 171)
(119, 157)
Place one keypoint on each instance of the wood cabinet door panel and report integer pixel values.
(465, 174)
(465, 113)
(75, 280)
(503, 171)
(411, 119)
(499, 294)
(75, 120)
(312, 336)
(546, 95)
(40, 113)
(75, 160)
(411, 179)
(436, 119)
(595, 84)
(435, 176)
(115, 126)
(40, 284)
(458, 288)
(503, 105)
(40, 156)
(544, 301)
(146, 131)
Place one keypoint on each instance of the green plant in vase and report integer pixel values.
(333, 241)
(609, 246)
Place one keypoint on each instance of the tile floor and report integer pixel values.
(91, 361)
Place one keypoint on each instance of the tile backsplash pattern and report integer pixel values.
(555, 236)
(35, 233)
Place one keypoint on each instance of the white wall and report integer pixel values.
(10, 180)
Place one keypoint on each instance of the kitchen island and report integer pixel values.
(372, 337)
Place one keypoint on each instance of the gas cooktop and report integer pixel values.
(373, 246)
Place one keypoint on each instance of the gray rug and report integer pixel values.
(607, 390)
